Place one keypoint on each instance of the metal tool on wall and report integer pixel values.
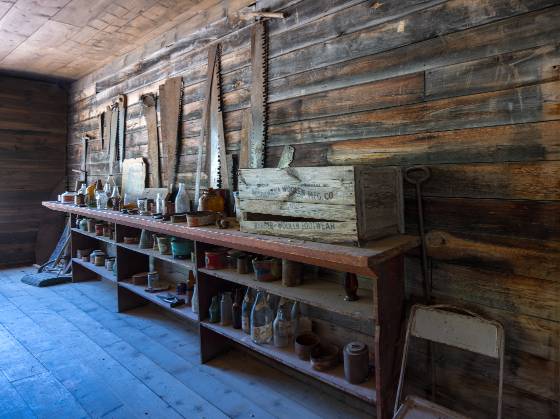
(219, 174)
(212, 52)
(149, 103)
(170, 96)
(101, 129)
(114, 111)
(259, 95)
(83, 166)
(121, 104)
(417, 176)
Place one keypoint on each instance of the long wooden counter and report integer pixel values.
(360, 260)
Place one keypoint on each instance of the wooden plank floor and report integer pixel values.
(66, 353)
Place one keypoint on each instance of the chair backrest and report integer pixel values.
(457, 327)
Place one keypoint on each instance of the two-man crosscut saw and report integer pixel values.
(212, 132)
(259, 96)
(149, 103)
(112, 128)
(170, 101)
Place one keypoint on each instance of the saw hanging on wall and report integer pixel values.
(113, 129)
(170, 96)
(150, 111)
(212, 137)
(259, 95)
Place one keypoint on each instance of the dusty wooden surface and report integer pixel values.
(67, 353)
(470, 88)
(32, 159)
(361, 260)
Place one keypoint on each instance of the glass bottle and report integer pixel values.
(261, 320)
(226, 309)
(195, 299)
(101, 199)
(282, 328)
(214, 310)
(116, 198)
(236, 309)
(160, 204)
(246, 307)
(182, 201)
(109, 185)
(80, 198)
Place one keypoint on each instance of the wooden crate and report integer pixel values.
(333, 204)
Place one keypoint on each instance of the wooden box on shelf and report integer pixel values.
(340, 204)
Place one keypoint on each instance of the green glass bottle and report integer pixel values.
(214, 310)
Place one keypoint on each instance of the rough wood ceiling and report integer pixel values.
(70, 38)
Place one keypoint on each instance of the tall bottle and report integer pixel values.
(194, 305)
(214, 310)
(236, 309)
(226, 309)
(261, 320)
(116, 198)
(300, 322)
(282, 328)
(246, 307)
(182, 201)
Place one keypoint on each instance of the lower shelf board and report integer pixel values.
(99, 270)
(287, 356)
(181, 311)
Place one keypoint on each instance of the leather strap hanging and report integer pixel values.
(170, 107)
(149, 103)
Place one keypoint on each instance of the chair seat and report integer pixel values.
(418, 408)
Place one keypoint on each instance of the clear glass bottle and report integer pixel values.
(214, 310)
(101, 199)
(182, 201)
(246, 307)
(109, 185)
(116, 198)
(160, 204)
(225, 309)
(282, 328)
(195, 299)
(261, 320)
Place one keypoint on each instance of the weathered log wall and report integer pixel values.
(469, 88)
(32, 161)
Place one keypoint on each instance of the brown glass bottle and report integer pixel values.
(236, 309)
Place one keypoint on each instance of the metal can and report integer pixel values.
(153, 279)
(356, 362)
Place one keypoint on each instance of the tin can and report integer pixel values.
(356, 362)
(215, 260)
(153, 279)
(107, 231)
(91, 226)
(291, 273)
(109, 264)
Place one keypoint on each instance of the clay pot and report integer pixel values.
(181, 248)
(164, 245)
(267, 270)
(324, 357)
(146, 240)
(304, 344)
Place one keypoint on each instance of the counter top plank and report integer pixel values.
(344, 258)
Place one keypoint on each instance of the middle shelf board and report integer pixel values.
(183, 311)
(94, 236)
(322, 294)
(186, 263)
(99, 270)
(287, 356)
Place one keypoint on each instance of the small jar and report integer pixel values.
(291, 273)
(164, 245)
(356, 362)
(91, 226)
(99, 229)
(84, 224)
(211, 201)
(107, 231)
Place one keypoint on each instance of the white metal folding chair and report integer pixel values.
(455, 327)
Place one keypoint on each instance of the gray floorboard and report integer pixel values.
(66, 353)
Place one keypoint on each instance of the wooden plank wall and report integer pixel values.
(33, 121)
(470, 88)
